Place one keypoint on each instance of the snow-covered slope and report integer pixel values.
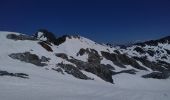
(153, 53)
(74, 69)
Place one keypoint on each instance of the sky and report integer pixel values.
(113, 21)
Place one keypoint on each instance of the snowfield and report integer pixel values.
(67, 88)
(46, 84)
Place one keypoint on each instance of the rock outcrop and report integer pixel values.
(29, 58)
(20, 37)
(121, 60)
(157, 75)
(20, 75)
(101, 70)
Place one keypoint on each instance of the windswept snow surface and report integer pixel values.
(49, 85)
(52, 86)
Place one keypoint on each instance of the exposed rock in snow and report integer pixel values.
(101, 70)
(20, 37)
(20, 75)
(157, 75)
(76, 68)
(121, 60)
(45, 35)
(46, 46)
(29, 58)
(70, 69)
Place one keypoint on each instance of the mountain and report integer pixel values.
(43, 66)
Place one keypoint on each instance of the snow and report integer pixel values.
(105, 62)
(48, 84)
(64, 88)
(72, 50)
(41, 36)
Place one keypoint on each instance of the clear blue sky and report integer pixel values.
(117, 21)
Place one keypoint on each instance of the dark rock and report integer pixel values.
(164, 57)
(46, 46)
(12, 36)
(28, 57)
(150, 52)
(60, 40)
(116, 51)
(20, 37)
(168, 51)
(165, 65)
(58, 70)
(162, 51)
(152, 65)
(20, 75)
(62, 55)
(130, 71)
(81, 52)
(70, 69)
(100, 70)
(45, 59)
(121, 60)
(140, 50)
(119, 65)
(93, 56)
(157, 51)
(157, 75)
(108, 66)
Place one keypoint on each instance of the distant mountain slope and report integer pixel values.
(154, 54)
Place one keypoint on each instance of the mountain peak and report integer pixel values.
(45, 35)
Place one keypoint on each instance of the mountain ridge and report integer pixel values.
(78, 68)
(77, 50)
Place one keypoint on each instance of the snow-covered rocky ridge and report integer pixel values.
(154, 54)
(73, 67)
